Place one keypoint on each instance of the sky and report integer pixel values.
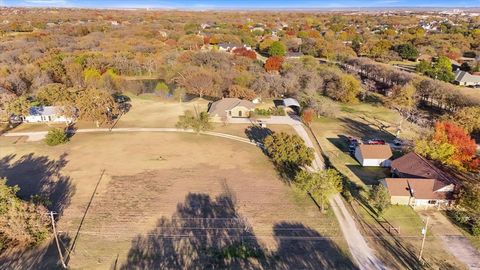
(229, 4)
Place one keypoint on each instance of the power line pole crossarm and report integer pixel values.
(51, 213)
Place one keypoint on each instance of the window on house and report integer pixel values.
(240, 113)
(432, 202)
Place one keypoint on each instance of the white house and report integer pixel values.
(466, 79)
(44, 114)
(374, 155)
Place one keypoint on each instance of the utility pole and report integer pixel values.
(424, 232)
(56, 240)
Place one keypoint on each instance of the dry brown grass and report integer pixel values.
(148, 174)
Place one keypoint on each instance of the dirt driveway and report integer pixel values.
(453, 239)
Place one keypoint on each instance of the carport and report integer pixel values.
(293, 104)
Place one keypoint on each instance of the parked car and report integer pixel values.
(376, 141)
(397, 142)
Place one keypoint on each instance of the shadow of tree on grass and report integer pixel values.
(39, 175)
(207, 233)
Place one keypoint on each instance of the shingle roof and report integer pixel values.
(420, 188)
(291, 102)
(220, 107)
(375, 151)
(414, 166)
(462, 76)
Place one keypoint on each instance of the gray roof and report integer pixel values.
(220, 107)
(288, 102)
(230, 45)
(462, 76)
(43, 110)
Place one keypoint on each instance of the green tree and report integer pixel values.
(162, 87)
(442, 69)
(96, 105)
(468, 118)
(424, 67)
(91, 76)
(197, 121)
(277, 48)
(320, 185)
(53, 94)
(407, 51)
(19, 106)
(469, 197)
(288, 152)
(379, 198)
(21, 223)
(56, 136)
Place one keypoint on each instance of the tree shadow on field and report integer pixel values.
(207, 233)
(257, 133)
(366, 131)
(39, 176)
(301, 247)
(44, 257)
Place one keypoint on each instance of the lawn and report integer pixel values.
(169, 199)
(396, 235)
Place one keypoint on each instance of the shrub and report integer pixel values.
(476, 229)
(56, 136)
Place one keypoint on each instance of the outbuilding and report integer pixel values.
(377, 155)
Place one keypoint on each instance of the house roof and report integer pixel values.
(288, 102)
(230, 45)
(375, 151)
(415, 166)
(43, 110)
(420, 188)
(221, 106)
(462, 76)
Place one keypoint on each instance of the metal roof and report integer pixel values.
(289, 102)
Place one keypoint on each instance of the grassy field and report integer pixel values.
(396, 235)
(153, 200)
(363, 121)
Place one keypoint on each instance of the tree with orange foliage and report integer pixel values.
(307, 116)
(245, 53)
(450, 145)
(273, 63)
